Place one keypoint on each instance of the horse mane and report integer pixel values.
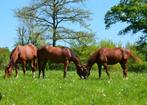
(11, 62)
(92, 59)
(74, 57)
(13, 51)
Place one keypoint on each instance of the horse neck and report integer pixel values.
(10, 65)
(89, 65)
(91, 61)
(75, 59)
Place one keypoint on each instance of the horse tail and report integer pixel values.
(135, 58)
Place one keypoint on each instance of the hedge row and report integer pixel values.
(138, 67)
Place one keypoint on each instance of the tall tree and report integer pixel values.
(34, 38)
(21, 36)
(132, 12)
(57, 18)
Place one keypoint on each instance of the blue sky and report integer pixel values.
(9, 23)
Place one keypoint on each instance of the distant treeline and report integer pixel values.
(84, 52)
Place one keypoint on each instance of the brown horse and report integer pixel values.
(59, 55)
(22, 54)
(110, 56)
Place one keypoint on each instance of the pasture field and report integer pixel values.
(54, 90)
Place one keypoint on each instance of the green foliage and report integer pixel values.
(34, 38)
(84, 46)
(83, 39)
(54, 90)
(138, 67)
(106, 43)
(37, 39)
(142, 48)
(4, 57)
(132, 12)
(139, 51)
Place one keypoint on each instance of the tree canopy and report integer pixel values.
(56, 18)
(132, 12)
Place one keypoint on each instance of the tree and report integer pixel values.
(83, 39)
(27, 30)
(34, 38)
(132, 12)
(56, 18)
(21, 36)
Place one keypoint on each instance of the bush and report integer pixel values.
(4, 57)
(138, 67)
(57, 66)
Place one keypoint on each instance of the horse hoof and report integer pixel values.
(99, 78)
(125, 78)
(16, 76)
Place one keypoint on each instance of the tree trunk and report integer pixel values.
(54, 39)
(54, 23)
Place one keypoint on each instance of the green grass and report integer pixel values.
(54, 90)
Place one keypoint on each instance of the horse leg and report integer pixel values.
(43, 68)
(16, 70)
(99, 70)
(24, 67)
(40, 67)
(106, 69)
(124, 67)
(65, 68)
(33, 65)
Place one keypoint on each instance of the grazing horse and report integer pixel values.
(59, 55)
(22, 54)
(110, 56)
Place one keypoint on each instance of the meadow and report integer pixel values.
(54, 90)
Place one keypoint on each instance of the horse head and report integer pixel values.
(8, 71)
(82, 71)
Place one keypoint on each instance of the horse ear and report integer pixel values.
(85, 68)
(82, 68)
(79, 65)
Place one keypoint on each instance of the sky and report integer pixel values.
(9, 23)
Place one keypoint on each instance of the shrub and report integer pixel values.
(138, 67)
(4, 57)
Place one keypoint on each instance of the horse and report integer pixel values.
(22, 54)
(110, 56)
(57, 55)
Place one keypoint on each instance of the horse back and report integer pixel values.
(27, 52)
(34, 49)
(110, 55)
(55, 54)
